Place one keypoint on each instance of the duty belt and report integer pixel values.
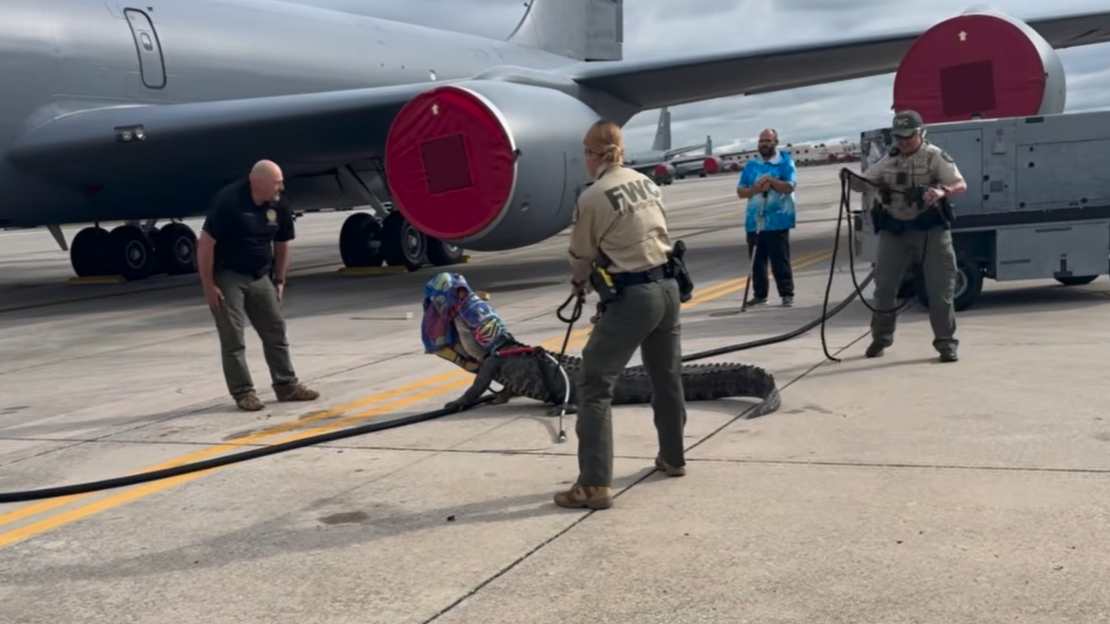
(656, 274)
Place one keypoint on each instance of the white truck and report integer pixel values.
(1037, 204)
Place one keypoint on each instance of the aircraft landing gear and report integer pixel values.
(366, 242)
(360, 241)
(175, 247)
(132, 253)
(402, 243)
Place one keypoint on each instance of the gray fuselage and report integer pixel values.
(58, 56)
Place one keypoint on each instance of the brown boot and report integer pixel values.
(671, 471)
(579, 496)
(249, 403)
(296, 393)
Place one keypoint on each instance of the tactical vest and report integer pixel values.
(911, 174)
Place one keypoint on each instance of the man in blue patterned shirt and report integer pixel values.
(768, 182)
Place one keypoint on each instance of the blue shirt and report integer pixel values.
(778, 208)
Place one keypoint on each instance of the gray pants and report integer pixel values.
(254, 300)
(938, 266)
(644, 316)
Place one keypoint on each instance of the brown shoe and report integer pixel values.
(579, 496)
(296, 393)
(249, 403)
(672, 471)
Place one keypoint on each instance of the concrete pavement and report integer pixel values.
(887, 490)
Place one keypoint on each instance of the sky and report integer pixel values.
(823, 113)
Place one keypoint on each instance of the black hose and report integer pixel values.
(372, 427)
(208, 464)
(845, 209)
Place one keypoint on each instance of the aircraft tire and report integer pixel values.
(175, 249)
(403, 244)
(88, 251)
(357, 241)
(131, 253)
(443, 254)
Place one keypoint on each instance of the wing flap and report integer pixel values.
(212, 139)
(654, 83)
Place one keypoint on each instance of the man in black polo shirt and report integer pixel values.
(242, 258)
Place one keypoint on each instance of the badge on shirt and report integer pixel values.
(271, 215)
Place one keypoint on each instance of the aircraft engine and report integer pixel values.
(980, 63)
(712, 164)
(488, 165)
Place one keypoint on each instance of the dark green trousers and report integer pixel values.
(933, 251)
(254, 300)
(645, 316)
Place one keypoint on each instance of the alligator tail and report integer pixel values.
(706, 382)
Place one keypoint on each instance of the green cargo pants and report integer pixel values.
(254, 300)
(896, 254)
(645, 316)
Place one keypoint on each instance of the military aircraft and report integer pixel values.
(662, 161)
(140, 112)
(661, 149)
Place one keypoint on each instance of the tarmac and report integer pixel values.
(883, 491)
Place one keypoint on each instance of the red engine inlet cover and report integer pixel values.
(449, 163)
(974, 64)
(712, 164)
(662, 169)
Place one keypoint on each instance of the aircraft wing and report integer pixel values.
(654, 83)
(212, 140)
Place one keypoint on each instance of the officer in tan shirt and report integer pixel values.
(621, 216)
(910, 183)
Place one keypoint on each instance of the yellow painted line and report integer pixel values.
(53, 503)
(432, 387)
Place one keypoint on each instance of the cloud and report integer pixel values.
(820, 113)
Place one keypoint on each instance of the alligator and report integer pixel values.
(460, 326)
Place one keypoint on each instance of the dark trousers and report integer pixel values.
(645, 316)
(254, 301)
(773, 246)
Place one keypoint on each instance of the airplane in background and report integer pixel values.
(662, 162)
(140, 112)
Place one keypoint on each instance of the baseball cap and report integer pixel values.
(906, 123)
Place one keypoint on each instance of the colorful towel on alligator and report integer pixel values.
(439, 331)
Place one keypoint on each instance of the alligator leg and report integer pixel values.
(486, 374)
(503, 397)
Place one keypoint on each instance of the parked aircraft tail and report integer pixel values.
(663, 131)
(585, 30)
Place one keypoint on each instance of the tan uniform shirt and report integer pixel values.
(622, 216)
(929, 166)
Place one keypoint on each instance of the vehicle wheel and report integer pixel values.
(969, 283)
(88, 251)
(131, 253)
(360, 241)
(175, 247)
(402, 243)
(443, 254)
(1077, 280)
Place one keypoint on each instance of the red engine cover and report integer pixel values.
(662, 169)
(449, 163)
(712, 164)
(976, 63)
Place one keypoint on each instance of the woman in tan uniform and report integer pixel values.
(622, 216)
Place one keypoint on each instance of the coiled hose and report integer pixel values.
(373, 427)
